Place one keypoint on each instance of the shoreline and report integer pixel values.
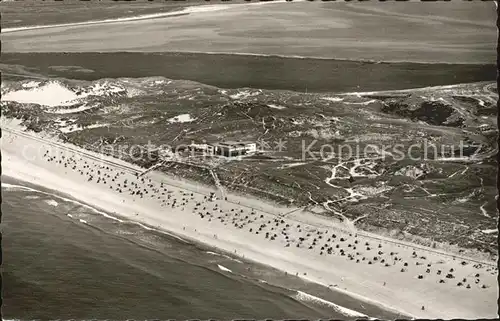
(95, 22)
(176, 12)
(359, 283)
(361, 61)
(268, 206)
(206, 248)
(271, 55)
(195, 9)
(189, 239)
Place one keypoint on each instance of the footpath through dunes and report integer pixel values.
(302, 244)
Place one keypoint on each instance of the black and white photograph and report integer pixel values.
(245, 159)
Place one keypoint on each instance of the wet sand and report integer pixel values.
(306, 29)
(405, 278)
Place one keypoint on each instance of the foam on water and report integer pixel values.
(144, 226)
(232, 259)
(172, 235)
(161, 231)
(20, 187)
(225, 269)
(225, 256)
(51, 202)
(306, 297)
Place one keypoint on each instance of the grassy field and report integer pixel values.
(236, 71)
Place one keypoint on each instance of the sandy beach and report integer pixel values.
(401, 277)
(184, 11)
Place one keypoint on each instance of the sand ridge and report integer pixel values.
(404, 278)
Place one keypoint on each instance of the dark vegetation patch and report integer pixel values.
(431, 112)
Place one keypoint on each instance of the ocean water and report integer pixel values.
(63, 259)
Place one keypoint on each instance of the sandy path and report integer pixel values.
(317, 249)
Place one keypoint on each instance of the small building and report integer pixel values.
(251, 147)
(204, 148)
(487, 128)
(232, 148)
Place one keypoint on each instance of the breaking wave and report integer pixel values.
(222, 255)
(306, 297)
(54, 203)
(51, 202)
(223, 268)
